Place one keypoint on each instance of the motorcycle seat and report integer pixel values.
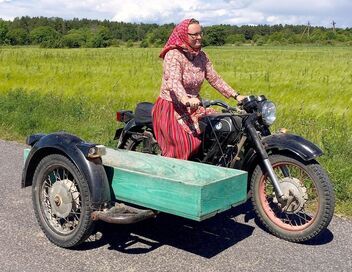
(143, 113)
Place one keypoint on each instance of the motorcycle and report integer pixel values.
(291, 193)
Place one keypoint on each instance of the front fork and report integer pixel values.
(265, 158)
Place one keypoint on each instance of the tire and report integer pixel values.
(133, 144)
(137, 144)
(310, 213)
(61, 201)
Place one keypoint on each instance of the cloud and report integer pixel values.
(318, 12)
(165, 11)
(209, 12)
(159, 11)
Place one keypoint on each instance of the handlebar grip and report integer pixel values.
(189, 105)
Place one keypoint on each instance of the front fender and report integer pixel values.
(293, 143)
(297, 145)
(73, 148)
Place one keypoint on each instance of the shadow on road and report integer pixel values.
(324, 238)
(206, 239)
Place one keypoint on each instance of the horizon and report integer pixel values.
(112, 21)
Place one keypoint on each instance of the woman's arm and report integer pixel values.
(217, 82)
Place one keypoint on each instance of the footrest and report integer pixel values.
(122, 214)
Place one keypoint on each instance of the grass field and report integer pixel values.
(79, 90)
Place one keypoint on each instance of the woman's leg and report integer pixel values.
(173, 140)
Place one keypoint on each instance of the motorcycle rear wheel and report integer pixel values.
(137, 144)
(312, 209)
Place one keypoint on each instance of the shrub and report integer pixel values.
(144, 44)
(45, 36)
(73, 40)
(129, 43)
(17, 36)
(115, 43)
(3, 31)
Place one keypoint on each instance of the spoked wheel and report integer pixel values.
(310, 199)
(61, 201)
(138, 144)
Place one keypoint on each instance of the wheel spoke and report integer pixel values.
(288, 219)
(285, 171)
(67, 182)
(57, 175)
(301, 217)
(77, 197)
(76, 217)
(49, 179)
(64, 174)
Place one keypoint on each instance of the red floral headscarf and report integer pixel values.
(179, 39)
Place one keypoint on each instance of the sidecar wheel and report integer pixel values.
(312, 207)
(61, 201)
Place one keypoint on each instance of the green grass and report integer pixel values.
(79, 90)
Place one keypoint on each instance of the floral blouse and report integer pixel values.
(183, 77)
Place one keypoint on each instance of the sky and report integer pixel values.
(208, 12)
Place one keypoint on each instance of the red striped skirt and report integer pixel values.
(173, 140)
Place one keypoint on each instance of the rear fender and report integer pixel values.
(76, 150)
(123, 133)
(118, 133)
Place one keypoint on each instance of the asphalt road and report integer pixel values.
(229, 242)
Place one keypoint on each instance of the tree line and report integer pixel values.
(59, 33)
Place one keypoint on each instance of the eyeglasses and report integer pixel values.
(194, 35)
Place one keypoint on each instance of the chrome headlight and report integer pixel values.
(268, 112)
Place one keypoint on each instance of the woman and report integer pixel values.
(176, 111)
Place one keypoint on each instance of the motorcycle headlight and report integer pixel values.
(268, 112)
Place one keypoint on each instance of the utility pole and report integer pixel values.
(333, 26)
(306, 29)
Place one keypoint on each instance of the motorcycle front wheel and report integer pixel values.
(310, 204)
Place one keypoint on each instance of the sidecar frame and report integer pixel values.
(115, 178)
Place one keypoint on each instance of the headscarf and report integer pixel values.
(179, 39)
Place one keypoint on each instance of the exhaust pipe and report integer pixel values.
(123, 214)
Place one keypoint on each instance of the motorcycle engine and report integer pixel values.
(219, 129)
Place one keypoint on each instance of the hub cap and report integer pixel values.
(61, 198)
(295, 193)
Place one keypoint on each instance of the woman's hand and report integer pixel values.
(239, 98)
(193, 102)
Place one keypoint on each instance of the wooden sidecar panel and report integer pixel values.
(189, 189)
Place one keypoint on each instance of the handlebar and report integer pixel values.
(208, 103)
